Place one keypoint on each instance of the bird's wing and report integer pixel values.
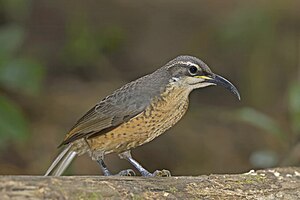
(105, 116)
(117, 108)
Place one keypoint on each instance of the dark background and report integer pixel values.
(59, 57)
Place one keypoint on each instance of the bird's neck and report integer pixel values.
(173, 95)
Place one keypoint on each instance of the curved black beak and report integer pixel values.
(219, 80)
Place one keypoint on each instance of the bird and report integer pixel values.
(135, 114)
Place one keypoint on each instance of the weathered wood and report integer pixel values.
(279, 183)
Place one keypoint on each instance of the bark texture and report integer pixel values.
(278, 183)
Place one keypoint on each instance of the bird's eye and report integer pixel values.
(193, 70)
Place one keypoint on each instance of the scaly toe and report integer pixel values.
(126, 172)
(162, 173)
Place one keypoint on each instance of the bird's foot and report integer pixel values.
(157, 173)
(162, 173)
(106, 172)
(126, 172)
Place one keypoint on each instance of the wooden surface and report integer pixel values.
(279, 183)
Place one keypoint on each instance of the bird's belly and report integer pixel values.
(161, 115)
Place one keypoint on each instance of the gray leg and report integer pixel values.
(106, 172)
(103, 167)
(127, 156)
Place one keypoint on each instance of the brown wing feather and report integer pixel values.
(117, 108)
(95, 123)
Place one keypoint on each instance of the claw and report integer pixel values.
(162, 173)
(157, 173)
(126, 172)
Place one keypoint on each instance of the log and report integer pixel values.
(277, 183)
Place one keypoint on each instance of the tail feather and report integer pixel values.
(61, 162)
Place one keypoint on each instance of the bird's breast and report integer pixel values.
(163, 112)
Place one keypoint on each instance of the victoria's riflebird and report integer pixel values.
(137, 113)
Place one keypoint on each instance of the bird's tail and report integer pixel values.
(61, 162)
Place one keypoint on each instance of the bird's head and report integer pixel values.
(194, 73)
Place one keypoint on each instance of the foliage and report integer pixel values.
(294, 106)
(267, 157)
(85, 44)
(262, 121)
(19, 74)
(13, 124)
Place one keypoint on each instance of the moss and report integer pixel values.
(252, 179)
(137, 197)
(89, 196)
(172, 190)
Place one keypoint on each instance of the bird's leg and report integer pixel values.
(127, 156)
(106, 172)
(103, 167)
(99, 157)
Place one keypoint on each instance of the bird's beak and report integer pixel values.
(219, 80)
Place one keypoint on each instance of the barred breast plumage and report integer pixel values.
(164, 111)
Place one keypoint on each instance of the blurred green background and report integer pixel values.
(59, 57)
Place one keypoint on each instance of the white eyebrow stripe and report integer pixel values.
(185, 63)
